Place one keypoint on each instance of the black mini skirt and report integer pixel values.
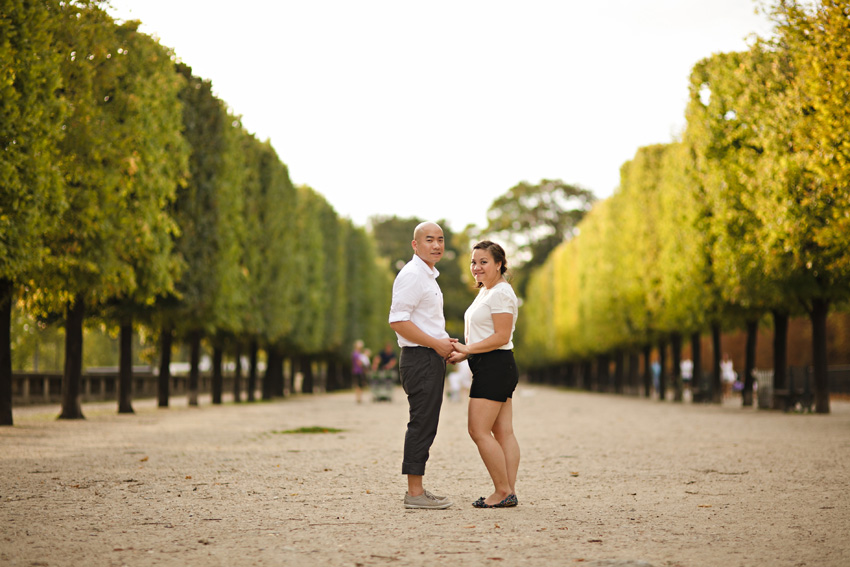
(494, 375)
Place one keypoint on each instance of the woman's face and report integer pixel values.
(484, 269)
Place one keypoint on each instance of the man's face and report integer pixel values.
(429, 244)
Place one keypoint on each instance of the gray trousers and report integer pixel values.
(423, 375)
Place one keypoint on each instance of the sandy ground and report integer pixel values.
(604, 480)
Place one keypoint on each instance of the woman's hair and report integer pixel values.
(496, 251)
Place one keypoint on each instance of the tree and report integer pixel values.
(685, 278)
(807, 195)
(311, 299)
(31, 189)
(209, 211)
(729, 93)
(281, 259)
(116, 181)
(532, 220)
(369, 282)
(150, 126)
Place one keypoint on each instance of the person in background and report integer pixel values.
(358, 370)
(687, 367)
(728, 376)
(460, 378)
(386, 360)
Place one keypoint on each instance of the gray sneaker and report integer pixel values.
(426, 501)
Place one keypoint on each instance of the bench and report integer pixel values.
(701, 389)
(788, 399)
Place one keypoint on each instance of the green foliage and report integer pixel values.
(311, 298)
(122, 155)
(274, 238)
(31, 114)
(806, 199)
(35, 344)
(309, 430)
(368, 284)
(209, 213)
(150, 126)
(129, 187)
(747, 213)
(531, 220)
(685, 279)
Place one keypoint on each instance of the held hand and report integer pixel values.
(461, 348)
(444, 347)
(456, 357)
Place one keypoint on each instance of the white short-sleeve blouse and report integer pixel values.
(478, 319)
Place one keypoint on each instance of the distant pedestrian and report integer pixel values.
(359, 364)
(460, 378)
(687, 367)
(386, 360)
(728, 376)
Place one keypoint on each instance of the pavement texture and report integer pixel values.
(605, 480)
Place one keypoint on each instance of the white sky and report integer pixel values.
(434, 109)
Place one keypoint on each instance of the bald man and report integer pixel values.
(416, 316)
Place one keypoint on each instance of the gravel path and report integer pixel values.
(604, 481)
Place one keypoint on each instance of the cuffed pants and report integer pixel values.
(423, 375)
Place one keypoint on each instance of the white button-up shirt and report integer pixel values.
(417, 298)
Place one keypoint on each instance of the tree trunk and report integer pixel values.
(662, 375)
(587, 375)
(602, 378)
(647, 371)
(716, 386)
(237, 374)
(6, 287)
(676, 352)
(780, 354)
(72, 378)
(217, 377)
(194, 366)
(696, 358)
(252, 371)
(750, 363)
(820, 309)
(287, 379)
(634, 373)
(619, 371)
(164, 380)
(125, 367)
(274, 372)
(333, 380)
(306, 364)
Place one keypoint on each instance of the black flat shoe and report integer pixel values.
(509, 502)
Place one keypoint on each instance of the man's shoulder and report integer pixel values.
(411, 271)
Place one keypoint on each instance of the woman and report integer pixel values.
(489, 326)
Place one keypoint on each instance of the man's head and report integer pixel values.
(428, 242)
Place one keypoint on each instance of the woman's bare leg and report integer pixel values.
(503, 431)
(482, 417)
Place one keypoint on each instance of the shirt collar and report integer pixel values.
(433, 272)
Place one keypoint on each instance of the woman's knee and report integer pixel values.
(479, 431)
(503, 434)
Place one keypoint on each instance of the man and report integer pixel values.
(416, 316)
